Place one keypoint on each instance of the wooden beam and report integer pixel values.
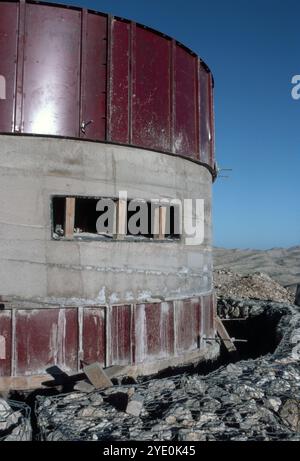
(156, 221)
(162, 222)
(121, 219)
(69, 217)
(222, 332)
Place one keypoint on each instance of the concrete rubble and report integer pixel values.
(256, 399)
(14, 421)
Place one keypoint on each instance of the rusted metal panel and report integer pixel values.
(119, 92)
(51, 71)
(93, 335)
(120, 335)
(94, 73)
(43, 338)
(187, 325)
(5, 342)
(186, 103)
(154, 331)
(8, 59)
(151, 97)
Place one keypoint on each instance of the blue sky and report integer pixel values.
(253, 49)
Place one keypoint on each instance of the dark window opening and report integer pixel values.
(83, 218)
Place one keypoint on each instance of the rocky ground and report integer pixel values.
(14, 421)
(256, 398)
(255, 286)
(249, 400)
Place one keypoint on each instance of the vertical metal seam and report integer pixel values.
(13, 343)
(80, 336)
(173, 96)
(109, 75)
(82, 85)
(132, 334)
(19, 122)
(108, 318)
(198, 141)
(212, 121)
(174, 328)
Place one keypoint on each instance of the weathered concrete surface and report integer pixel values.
(35, 267)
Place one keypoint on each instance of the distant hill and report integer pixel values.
(282, 264)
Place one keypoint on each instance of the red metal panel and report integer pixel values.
(151, 98)
(8, 59)
(208, 313)
(94, 62)
(120, 335)
(65, 66)
(5, 343)
(154, 331)
(212, 122)
(51, 70)
(186, 103)
(187, 325)
(68, 358)
(205, 116)
(45, 337)
(93, 335)
(119, 98)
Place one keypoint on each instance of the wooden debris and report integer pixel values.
(84, 386)
(97, 376)
(222, 332)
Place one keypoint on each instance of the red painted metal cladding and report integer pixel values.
(187, 325)
(151, 91)
(120, 325)
(8, 59)
(208, 316)
(32, 340)
(186, 128)
(5, 342)
(119, 97)
(154, 331)
(94, 335)
(128, 84)
(51, 71)
(205, 117)
(94, 75)
(45, 337)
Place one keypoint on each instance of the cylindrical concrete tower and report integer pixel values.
(94, 110)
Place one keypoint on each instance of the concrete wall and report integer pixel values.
(36, 267)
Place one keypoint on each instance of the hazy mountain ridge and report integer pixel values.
(283, 264)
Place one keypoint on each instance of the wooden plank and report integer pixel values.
(121, 219)
(97, 376)
(156, 221)
(70, 217)
(222, 332)
(162, 222)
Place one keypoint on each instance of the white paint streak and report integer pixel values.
(2, 348)
(61, 336)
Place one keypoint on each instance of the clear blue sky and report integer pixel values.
(253, 49)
